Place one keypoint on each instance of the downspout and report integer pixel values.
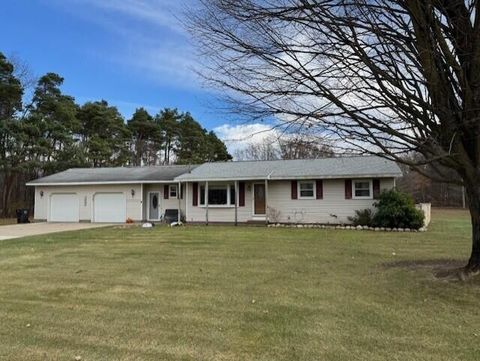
(179, 194)
(141, 203)
(206, 202)
(236, 203)
(266, 197)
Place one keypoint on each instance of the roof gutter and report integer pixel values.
(35, 184)
(269, 177)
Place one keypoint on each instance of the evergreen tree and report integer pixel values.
(104, 135)
(167, 121)
(51, 126)
(11, 93)
(146, 138)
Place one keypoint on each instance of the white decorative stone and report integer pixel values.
(359, 228)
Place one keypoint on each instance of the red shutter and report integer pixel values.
(348, 189)
(319, 184)
(376, 188)
(165, 191)
(195, 194)
(294, 189)
(241, 194)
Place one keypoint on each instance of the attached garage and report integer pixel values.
(109, 208)
(64, 207)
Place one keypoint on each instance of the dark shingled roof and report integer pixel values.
(116, 175)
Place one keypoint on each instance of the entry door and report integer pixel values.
(259, 199)
(154, 204)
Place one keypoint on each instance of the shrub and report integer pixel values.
(397, 210)
(362, 217)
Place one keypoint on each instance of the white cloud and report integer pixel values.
(239, 136)
(157, 12)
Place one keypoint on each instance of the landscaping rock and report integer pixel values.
(359, 228)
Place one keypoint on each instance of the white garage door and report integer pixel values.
(109, 207)
(64, 207)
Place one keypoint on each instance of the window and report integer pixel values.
(362, 189)
(173, 191)
(218, 195)
(306, 190)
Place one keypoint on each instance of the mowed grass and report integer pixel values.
(244, 293)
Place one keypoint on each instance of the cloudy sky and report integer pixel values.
(131, 53)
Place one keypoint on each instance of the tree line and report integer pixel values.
(51, 132)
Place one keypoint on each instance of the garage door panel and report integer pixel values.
(64, 207)
(109, 208)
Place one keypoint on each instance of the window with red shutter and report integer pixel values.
(348, 189)
(319, 192)
(294, 189)
(241, 194)
(195, 194)
(376, 188)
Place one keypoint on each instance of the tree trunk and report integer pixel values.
(473, 199)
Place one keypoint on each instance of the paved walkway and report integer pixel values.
(33, 229)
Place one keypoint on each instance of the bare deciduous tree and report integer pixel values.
(389, 77)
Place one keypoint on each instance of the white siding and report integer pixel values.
(163, 204)
(333, 208)
(85, 196)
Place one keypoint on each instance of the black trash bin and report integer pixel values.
(22, 215)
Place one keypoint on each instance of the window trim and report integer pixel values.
(229, 188)
(370, 187)
(299, 193)
(170, 187)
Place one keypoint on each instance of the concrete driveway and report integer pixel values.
(34, 229)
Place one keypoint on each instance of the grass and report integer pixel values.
(225, 293)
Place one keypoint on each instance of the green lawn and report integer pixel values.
(226, 293)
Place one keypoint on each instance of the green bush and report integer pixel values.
(362, 217)
(397, 210)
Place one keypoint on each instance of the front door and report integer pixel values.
(153, 201)
(259, 199)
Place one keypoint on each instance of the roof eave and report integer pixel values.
(351, 176)
(34, 184)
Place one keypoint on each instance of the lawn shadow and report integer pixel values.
(447, 269)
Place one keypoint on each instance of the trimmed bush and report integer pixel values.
(397, 210)
(362, 217)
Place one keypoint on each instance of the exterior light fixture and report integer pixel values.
(132, 192)
(41, 194)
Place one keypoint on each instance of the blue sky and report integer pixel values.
(131, 53)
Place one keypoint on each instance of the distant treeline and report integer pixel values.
(51, 133)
